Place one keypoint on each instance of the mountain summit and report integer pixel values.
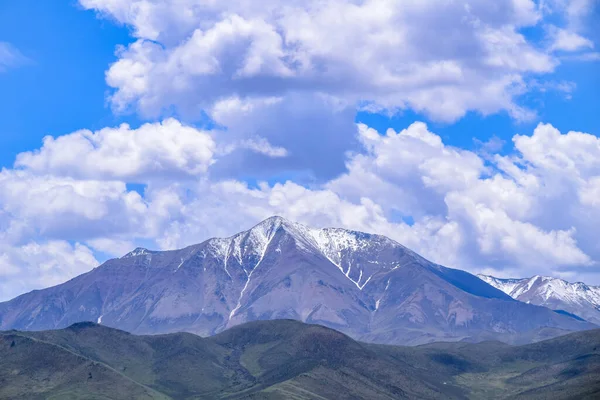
(557, 294)
(365, 285)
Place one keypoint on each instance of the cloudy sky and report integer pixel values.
(466, 130)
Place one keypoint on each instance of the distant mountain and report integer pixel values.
(367, 286)
(576, 298)
(286, 359)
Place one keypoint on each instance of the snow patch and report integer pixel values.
(263, 238)
(137, 252)
(365, 284)
(543, 290)
(378, 302)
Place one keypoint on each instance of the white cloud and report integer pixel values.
(39, 265)
(111, 247)
(65, 208)
(565, 40)
(283, 79)
(502, 240)
(499, 215)
(413, 165)
(10, 56)
(466, 214)
(533, 211)
(209, 213)
(282, 82)
(442, 59)
(153, 151)
(258, 145)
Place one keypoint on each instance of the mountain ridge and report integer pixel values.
(365, 285)
(573, 297)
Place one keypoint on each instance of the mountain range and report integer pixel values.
(364, 285)
(576, 298)
(287, 359)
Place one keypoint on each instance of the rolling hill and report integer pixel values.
(286, 359)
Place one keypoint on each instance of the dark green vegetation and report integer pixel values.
(286, 359)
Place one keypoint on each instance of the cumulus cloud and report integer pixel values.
(209, 213)
(565, 40)
(282, 83)
(501, 214)
(508, 216)
(196, 53)
(531, 211)
(470, 219)
(65, 208)
(408, 170)
(39, 265)
(168, 150)
(290, 75)
(574, 12)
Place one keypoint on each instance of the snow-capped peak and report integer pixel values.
(339, 246)
(577, 298)
(329, 241)
(357, 255)
(137, 252)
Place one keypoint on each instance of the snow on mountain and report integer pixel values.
(576, 298)
(365, 285)
(339, 246)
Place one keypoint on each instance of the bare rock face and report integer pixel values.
(367, 286)
(576, 298)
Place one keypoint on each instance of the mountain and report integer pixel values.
(557, 294)
(367, 286)
(286, 359)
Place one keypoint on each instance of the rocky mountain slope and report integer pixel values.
(557, 294)
(364, 285)
(286, 359)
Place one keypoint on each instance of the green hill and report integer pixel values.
(286, 359)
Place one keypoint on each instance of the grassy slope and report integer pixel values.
(566, 367)
(34, 369)
(288, 359)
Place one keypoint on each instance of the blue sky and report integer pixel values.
(62, 87)
(236, 113)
